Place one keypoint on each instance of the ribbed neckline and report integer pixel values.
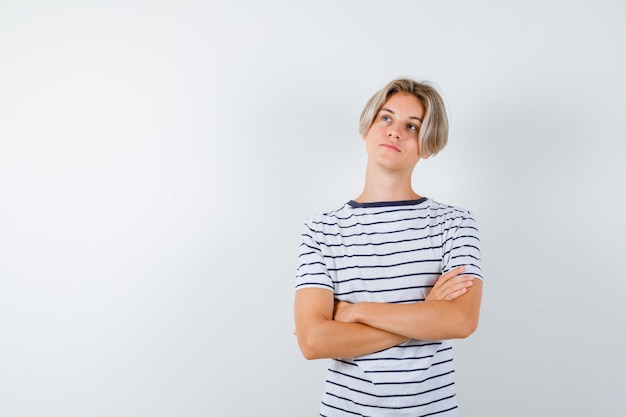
(355, 204)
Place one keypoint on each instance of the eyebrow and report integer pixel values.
(392, 112)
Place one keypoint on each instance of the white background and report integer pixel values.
(158, 160)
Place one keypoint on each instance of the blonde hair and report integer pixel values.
(433, 134)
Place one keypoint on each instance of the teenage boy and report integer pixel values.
(386, 280)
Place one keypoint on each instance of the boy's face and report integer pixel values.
(392, 140)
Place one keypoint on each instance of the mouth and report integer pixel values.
(391, 146)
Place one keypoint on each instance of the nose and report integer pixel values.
(393, 133)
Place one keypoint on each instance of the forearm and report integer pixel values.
(333, 339)
(427, 320)
(320, 336)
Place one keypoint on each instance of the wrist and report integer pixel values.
(358, 312)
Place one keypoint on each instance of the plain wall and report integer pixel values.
(158, 160)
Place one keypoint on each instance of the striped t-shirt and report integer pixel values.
(389, 252)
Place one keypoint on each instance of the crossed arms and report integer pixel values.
(327, 328)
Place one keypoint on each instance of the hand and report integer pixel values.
(450, 285)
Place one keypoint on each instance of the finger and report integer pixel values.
(454, 288)
(454, 272)
(449, 283)
(456, 285)
(460, 281)
(456, 294)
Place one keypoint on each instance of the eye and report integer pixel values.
(412, 127)
(385, 118)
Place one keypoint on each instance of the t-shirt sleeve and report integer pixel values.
(312, 271)
(462, 245)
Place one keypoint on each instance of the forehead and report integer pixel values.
(404, 104)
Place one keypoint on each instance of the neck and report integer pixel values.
(387, 186)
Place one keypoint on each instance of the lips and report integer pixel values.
(391, 146)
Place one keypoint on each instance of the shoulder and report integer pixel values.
(451, 215)
(328, 218)
(447, 210)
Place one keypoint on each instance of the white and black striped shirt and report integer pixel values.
(389, 252)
